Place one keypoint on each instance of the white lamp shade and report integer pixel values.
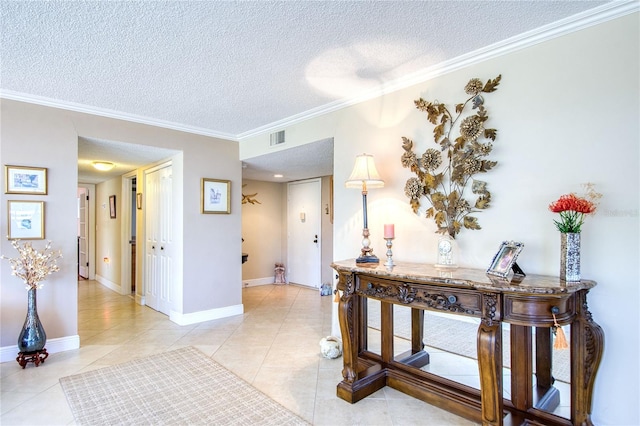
(364, 173)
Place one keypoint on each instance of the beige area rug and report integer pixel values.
(179, 387)
(459, 336)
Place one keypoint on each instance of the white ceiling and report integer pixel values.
(125, 156)
(236, 68)
(302, 162)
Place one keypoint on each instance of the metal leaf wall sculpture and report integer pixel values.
(462, 158)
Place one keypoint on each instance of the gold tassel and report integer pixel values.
(561, 339)
(337, 298)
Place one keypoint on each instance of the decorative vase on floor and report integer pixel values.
(570, 256)
(32, 338)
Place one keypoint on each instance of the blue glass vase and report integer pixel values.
(32, 338)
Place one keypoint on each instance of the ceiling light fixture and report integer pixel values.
(278, 176)
(103, 166)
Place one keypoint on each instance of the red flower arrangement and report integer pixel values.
(572, 210)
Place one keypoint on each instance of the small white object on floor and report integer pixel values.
(330, 347)
(325, 289)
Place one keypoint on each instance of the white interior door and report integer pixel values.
(158, 239)
(83, 233)
(303, 232)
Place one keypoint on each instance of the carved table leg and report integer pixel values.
(587, 344)
(346, 316)
(490, 366)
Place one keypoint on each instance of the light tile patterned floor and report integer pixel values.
(274, 346)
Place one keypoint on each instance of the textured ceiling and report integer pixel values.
(231, 68)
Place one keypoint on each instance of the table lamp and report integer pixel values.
(364, 176)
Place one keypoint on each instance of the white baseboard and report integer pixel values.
(60, 344)
(202, 316)
(257, 281)
(109, 284)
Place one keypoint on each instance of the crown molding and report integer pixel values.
(103, 112)
(595, 16)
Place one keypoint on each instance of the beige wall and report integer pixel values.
(48, 137)
(262, 230)
(30, 136)
(108, 244)
(567, 113)
(327, 231)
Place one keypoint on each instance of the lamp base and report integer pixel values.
(369, 260)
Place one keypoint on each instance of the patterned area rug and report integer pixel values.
(459, 336)
(179, 387)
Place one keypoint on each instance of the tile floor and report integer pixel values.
(274, 346)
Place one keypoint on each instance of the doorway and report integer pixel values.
(86, 231)
(128, 227)
(304, 199)
(83, 233)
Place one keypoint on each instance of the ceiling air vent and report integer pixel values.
(277, 138)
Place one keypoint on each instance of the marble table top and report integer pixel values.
(465, 278)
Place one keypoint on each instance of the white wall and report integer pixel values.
(567, 113)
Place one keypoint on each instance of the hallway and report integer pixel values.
(273, 346)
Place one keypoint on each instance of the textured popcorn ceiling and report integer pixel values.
(230, 68)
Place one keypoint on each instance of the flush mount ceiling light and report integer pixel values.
(103, 166)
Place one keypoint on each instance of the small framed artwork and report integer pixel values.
(25, 180)
(215, 196)
(26, 220)
(112, 206)
(139, 201)
(505, 260)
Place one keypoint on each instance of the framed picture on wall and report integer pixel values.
(112, 206)
(215, 196)
(26, 220)
(25, 180)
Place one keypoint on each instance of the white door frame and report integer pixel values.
(91, 246)
(125, 233)
(83, 232)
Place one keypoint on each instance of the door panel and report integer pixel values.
(158, 239)
(304, 232)
(83, 238)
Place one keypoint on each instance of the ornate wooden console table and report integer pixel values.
(525, 304)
